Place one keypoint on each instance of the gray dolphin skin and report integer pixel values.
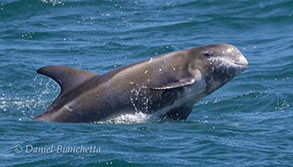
(166, 87)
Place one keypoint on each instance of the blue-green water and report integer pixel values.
(248, 122)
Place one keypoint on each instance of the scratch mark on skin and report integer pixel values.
(67, 108)
(229, 50)
(151, 59)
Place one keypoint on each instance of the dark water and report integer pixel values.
(248, 122)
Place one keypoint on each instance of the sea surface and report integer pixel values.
(247, 122)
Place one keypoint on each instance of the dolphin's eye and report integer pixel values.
(207, 54)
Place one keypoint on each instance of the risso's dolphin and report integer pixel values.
(167, 86)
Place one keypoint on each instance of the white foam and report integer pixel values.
(137, 117)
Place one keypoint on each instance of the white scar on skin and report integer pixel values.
(230, 50)
(67, 108)
(151, 59)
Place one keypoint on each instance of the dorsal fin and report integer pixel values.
(68, 78)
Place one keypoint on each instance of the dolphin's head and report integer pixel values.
(218, 63)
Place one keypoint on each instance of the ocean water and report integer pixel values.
(248, 122)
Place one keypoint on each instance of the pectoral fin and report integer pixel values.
(186, 81)
(178, 84)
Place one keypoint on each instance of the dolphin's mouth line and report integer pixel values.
(239, 64)
(224, 61)
(233, 63)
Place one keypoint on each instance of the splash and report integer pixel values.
(37, 98)
(137, 117)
